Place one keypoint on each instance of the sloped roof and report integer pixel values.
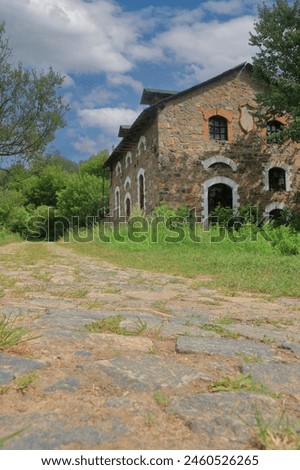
(152, 96)
(147, 116)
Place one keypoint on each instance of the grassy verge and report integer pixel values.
(8, 237)
(248, 265)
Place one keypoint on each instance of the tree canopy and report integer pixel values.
(277, 65)
(30, 109)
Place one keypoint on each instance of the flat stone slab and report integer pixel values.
(69, 384)
(295, 348)
(186, 326)
(219, 418)
(260, 332)
(13, 366)
(223, 346)
(277, 377)
(46, 432)
(149, 372)
(5, 377)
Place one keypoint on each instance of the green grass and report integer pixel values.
(277, 434)
(220, 331)
(161, 398)
(112, 325)
(10, 436)
(241, 382)
(8, 237)
(249, 266)
(11, 334)
(24, 381)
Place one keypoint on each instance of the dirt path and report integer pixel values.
(73, 389)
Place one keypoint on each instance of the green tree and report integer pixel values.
(30, 109)
(81, 198)
(277, 64)
(95, 166)
(42, 189)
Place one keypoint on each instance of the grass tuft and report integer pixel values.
(112, 325)
(277, 434)
(12, 335)
(243, 382)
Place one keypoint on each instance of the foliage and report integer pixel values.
(95, 165)
(161, 398)
(81, 200)
(42, 189)
(29, 195)
(30, 110)
(112, 325)
(241, 382)
(18, 220)
(10, 334)
(277, 64)
(285, 240)
(10, 199)
(277, 434)
(23, 381)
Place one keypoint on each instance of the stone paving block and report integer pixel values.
(69, 384)
(295, 348)
(13, 366)
(219, 418)
(277, 377)
(185, 327)
(259, 332)
(5, 376)
(45, 431)
(223, 346)
(149, 372)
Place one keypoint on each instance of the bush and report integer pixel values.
(81, 201)
(285, 239)
(18, 220)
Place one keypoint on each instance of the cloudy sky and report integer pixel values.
(109, 50)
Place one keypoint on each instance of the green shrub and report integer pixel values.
(18, 220)
(284, 239)
(81, 202)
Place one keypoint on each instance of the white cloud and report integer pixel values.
(119, 79)
(101, 37)
(68, 82)
(209, 47)
(107, 119)
(86, 145)
(70, 35)
(98, 96)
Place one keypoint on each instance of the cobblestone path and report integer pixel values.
(163, 388)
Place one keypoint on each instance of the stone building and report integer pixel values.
(200, 148)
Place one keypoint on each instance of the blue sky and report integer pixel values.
(110, 50)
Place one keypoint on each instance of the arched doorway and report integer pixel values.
(219, 195)
(219, 189)
(276, 214)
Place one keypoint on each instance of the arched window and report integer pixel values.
(127, 206)
(277, 179)
(273, 128)
(218, 128)
(117, 203)
(141, 192)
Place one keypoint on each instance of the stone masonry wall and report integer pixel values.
(180, 162)
(140, 158)
(185, 147)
